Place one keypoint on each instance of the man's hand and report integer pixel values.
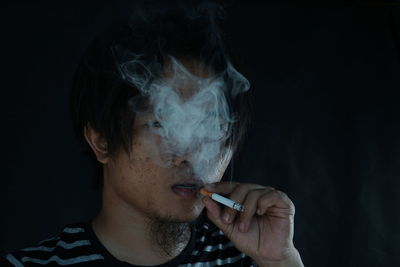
(264, 231)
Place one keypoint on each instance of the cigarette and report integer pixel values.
(223, 200)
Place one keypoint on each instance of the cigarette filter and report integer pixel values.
(223, 200)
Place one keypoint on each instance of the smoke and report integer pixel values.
(191, 111)
(190, 100)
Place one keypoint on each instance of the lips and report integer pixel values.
(186, 190)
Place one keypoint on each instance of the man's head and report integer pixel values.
(162, 108)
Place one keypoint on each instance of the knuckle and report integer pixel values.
(282, 194)
(230, 213)
(255, 193)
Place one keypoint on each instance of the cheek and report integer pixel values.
(143, 167)
(141, 151)
(147, 146)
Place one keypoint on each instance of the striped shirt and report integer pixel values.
(78, 245)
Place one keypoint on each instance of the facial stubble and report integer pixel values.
(170, 236)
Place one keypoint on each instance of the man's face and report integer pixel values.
(154, 189)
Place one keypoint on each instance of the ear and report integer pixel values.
(97, 143)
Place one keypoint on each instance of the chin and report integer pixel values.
(185, 215)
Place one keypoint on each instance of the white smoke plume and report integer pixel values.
(192, 113)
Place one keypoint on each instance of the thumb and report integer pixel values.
(214, 214)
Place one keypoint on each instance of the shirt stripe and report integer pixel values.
(73, 230)
(64, 261)
(77, 245)
(61, 244)
(213, 248)
(49, 239)
(14, 261)
(217, 262)
(203, 238)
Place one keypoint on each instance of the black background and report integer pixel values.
(326, 81)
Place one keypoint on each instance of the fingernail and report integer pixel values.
(226, 218)
(242, 227)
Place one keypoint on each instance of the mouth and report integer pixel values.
(187, 190)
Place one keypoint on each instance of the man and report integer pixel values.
(162, 109)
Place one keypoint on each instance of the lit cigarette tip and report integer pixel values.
(205, 193)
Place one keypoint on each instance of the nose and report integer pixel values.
(180, 161)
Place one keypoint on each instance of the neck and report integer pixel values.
(135, 238)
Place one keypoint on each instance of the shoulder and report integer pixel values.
(71, 246)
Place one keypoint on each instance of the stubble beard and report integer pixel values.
(170, 236)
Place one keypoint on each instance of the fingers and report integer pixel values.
(257, 200)
(214, 213)
(228, 188)
(251, 206)
(239, 194)
(275, 203)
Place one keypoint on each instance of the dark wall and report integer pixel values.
(326, 131)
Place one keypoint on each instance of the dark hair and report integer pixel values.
(100, 94)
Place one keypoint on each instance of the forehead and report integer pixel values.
(186, 76)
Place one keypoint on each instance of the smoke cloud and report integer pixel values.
(191, 112)
(191, 102)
